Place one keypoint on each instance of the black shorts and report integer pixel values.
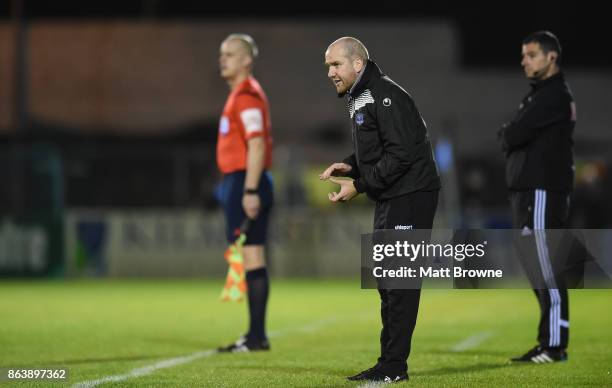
(231, 192)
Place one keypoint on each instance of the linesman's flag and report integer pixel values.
(235, 284)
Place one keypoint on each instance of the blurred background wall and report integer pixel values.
(109, 111)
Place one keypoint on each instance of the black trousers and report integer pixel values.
(541, 215)
(398, 307)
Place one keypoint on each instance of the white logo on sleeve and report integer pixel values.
(252, 119)
(224, 125)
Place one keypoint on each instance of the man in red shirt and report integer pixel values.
(244, 156)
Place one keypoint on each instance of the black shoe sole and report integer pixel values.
(256, 349)
(365, 377)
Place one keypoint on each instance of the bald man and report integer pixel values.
(393, 165)
(244, 156)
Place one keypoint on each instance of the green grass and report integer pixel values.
(325, 331)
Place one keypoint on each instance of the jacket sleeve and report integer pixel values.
(397, 127)
(352, 161)
(542, 112)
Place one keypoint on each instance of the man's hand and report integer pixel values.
(251, 205)
(334, 169)
(347, 190)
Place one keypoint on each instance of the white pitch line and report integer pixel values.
(472, 341)
(171, 362)
(147, 370)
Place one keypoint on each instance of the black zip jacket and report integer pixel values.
(538, 142)
(392, 153)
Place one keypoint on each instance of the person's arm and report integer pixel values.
(255, 165)
(252, 120)
(541, 113)
(255, 162)
(354, 171)
(398, 124)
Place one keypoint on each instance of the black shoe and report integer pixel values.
(243, 345)
(375, 375)
(360, 375)
(540, 355)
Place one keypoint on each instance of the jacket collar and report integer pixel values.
(370, 72)
(559, 76)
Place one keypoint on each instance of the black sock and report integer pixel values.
(258, 286)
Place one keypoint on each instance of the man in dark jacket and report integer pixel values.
(540, 174)
(392, 164)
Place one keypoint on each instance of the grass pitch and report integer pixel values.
(157, 333)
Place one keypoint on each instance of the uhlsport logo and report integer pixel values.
(403, 227)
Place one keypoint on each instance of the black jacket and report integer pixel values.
(392, 153)
(538, 142)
